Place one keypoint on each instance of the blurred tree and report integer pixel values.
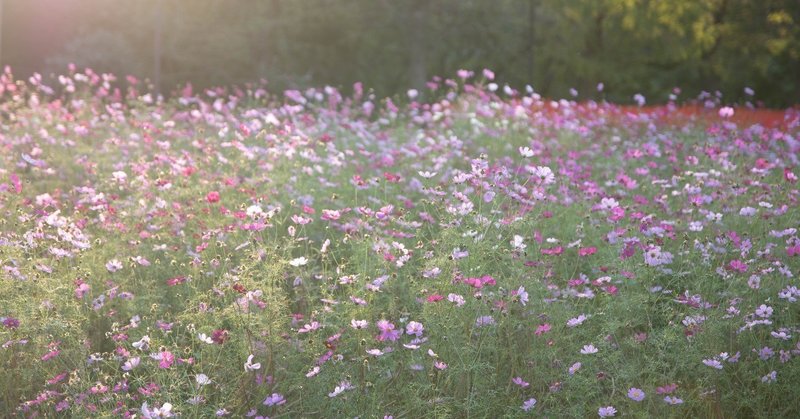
(632, 46)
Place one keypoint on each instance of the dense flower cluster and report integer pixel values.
(236, 252)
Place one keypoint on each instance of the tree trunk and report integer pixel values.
(417, 52)
(157, 42)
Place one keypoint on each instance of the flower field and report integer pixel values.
(484, 252)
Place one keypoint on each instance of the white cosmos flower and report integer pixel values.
(113, 265)
(202, 379)
(544, 173)
(608, 203)
(314, 371)
(588, 349)
(142, 344)
(254, 210)
(250, 366)
(342, 387)
(518, 242)
(119, 176)
(298, 261)
(131, 364)
(165, 411)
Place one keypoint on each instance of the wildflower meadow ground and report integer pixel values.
(467, 251)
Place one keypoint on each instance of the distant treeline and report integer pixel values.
(630, 46)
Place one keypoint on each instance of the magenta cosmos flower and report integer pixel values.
(387, 330)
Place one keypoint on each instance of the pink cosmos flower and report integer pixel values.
(414, 328)
(50, 355)
(788, 175)
(726, 112)
(520, 382)
(166, 360)
(667, 389)
(81, 289)
(16, 182)
(738, 266)
(793, 250)
(542, 329)
(464, 74)
(387, 330)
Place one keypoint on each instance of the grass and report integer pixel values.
(335, 234)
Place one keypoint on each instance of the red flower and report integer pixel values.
(176, 281)
(434, 298)
(391, 177)
(553, 251)
(219, 336)
(212, 197)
